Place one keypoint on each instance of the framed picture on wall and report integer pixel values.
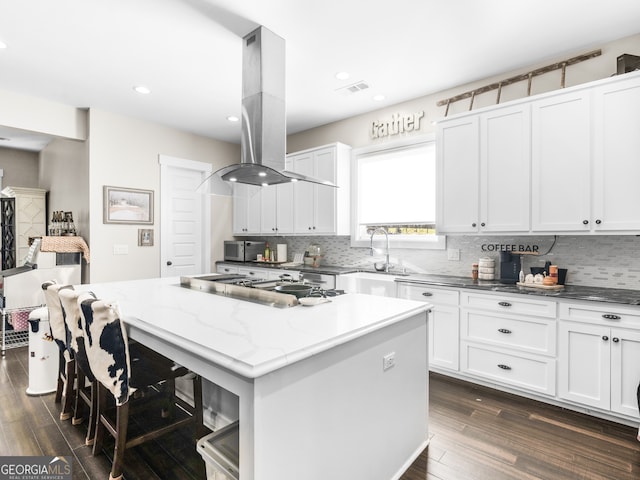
(127, 205)
(145, 237)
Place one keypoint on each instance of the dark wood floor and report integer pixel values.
(476, 434)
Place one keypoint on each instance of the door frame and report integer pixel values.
(166, 162)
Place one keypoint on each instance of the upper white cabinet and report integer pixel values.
(277, 208)
(483, 172)
(616, 145)
(563, 161)
(458, 175)
(321, 209)
(247, 209)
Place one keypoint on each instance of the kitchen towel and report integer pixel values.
(281, 255)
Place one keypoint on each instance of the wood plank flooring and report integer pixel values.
(476, 434)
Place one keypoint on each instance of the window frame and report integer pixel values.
(431, 242)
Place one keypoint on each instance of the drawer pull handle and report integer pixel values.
(610, 316)
(504, 367)
(615, 339)
(504, 304)
(504, 330)
(605, 338)
(427, 294)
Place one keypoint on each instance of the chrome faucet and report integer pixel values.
(386, 266)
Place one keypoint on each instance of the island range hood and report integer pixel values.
(263, 137)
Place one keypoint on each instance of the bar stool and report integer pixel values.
(84, 394)
(122, 367)
(61, 335)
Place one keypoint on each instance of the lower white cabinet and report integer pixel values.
(509, 339)
(226, 269)
(599, 359)
(444, 338)
(366, 282)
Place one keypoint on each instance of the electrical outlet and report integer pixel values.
(121, 249)
(453, 254)
(388, 361)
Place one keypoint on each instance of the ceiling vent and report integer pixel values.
(354, 87)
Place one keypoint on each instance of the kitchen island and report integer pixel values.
(338, 390)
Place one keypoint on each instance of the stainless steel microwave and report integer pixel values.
(242, 250)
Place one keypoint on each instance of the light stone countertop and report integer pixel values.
(248, 338)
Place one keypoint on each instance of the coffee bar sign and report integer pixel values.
(399, 123)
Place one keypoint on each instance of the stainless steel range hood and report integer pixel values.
(263, 115)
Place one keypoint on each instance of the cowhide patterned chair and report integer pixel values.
(122, 368)
(84, 394)
(62, 337)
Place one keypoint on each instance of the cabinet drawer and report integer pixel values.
(611, 315)
(523, 371)
(521, 304)
(226, 268)
(427, 293)
(531, 334)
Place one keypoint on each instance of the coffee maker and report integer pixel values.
(509, 267)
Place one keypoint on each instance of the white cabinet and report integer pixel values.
(277, 209)
(226, 268)
(616, 145)
(247, 209)
(505, 158)
(444, 337)
(30, 217)
(561, 162)
(483, 172)
(458, 175)
(320, 209)
(599, 359)
(510, 340)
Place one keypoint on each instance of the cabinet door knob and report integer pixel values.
(615, 339)
(605, 338)
(598, 222)
(427, 294)
(504, 367)
(473, 224)
(504, 304)
(609, 316)
(585, 222)
(482, 224)
(169, 263)
(504, 330)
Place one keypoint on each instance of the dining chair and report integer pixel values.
(124, 367)
(61, 336)
(84, 395)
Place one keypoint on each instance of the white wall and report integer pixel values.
(64, 173)
(20, 168)
(354, 131)
(123, 152)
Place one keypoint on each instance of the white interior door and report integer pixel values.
(185, 218)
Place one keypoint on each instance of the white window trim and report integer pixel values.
(435, 242)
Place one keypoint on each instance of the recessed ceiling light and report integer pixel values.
(342, 75)
(232, 118)
(378, 98)
(142, 89)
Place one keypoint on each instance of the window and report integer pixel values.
(394, 186)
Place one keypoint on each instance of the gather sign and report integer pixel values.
(399, 123)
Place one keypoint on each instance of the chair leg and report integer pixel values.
(98, 438)
(169, 387)
(94, 416)
(61, 372)
(122, 424)
(78, 407)
(68, 390)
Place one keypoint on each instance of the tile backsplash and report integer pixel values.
(599, 261)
